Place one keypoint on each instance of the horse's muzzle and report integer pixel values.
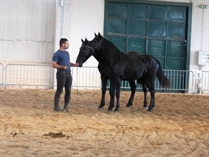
(80, 64)
(80, 61)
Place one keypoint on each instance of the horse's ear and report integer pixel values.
(82, 40)
(99, 34)
(95, 34)
(86, 40)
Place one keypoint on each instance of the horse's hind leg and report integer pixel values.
(152, 101)
(144, 88)
(117, 85)
(104, 83)
(133, 90)
(112, 95)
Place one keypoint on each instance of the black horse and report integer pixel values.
(124, 66)
(103, 69)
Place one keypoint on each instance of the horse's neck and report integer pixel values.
(98, 57)
(108, 54)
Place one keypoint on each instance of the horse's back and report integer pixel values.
(151, 62)
(132, 53)
(140, 64)
(131, 57)
(136, 58)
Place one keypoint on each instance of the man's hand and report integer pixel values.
(65, 67)
(74, 64)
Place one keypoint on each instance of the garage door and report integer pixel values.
(158, 29)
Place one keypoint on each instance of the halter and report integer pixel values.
(90, 48)
(94, 47)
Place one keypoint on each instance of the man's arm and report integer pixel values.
(57, 66)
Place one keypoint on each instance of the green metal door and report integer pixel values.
(156, 28)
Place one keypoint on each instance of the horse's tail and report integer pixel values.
(164, 81)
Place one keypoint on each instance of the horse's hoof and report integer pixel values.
(100, 108)
(115, 111)
(145, 108)
(128, 106)
(149, 110)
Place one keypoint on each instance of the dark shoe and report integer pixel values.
(58, 109)
(66, 110)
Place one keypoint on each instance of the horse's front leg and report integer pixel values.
(112, 95)
(117, 85)
(133, 90)
(104, 83)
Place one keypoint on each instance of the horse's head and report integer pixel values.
(84, 53)
(88, 49)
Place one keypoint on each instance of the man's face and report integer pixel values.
(66, 45)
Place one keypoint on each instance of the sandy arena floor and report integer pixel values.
(178, 126)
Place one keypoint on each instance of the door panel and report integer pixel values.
(157, 29)
(157, 12)
(118, 10)
(137, 11)
(174, 63)
(176, 30)
(177, 14)
(156, 47)
(176, 49)
(137, 44)
(117, 26)
(136, 27)
(119, 42)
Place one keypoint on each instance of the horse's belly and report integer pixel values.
(132, 76)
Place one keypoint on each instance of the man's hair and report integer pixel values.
(62, 41)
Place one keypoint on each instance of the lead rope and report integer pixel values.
(77, 91)
(75, 84)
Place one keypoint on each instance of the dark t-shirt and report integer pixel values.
(62, 58)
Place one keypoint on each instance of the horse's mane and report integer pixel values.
(111, 49)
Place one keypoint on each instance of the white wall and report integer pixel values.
(76, 20)
(26, 31)
(200, 33)
(79, 19)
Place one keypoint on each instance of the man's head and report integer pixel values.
(64, 43)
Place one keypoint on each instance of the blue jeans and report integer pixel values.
(64, 79)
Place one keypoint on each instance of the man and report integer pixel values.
(61, 61)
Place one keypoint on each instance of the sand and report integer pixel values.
(177, 127)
